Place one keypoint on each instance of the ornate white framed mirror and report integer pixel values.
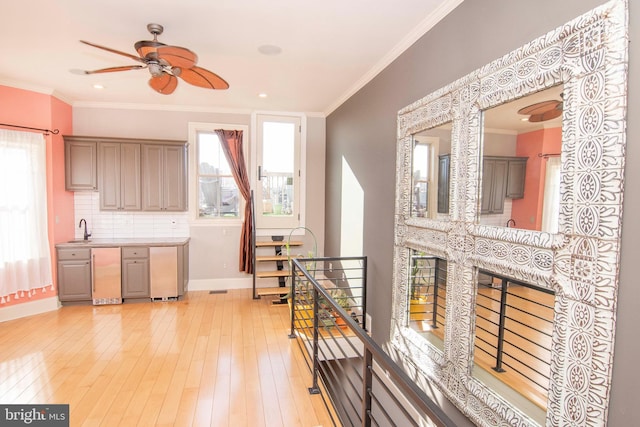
(583, 66)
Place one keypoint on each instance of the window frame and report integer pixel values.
(298, 224)
(194, 205)
(432, 144)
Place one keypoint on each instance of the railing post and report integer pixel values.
(314, 389)
(367, 379)
(364, 295)
(503, 309)
(434, 320)
(292, 310)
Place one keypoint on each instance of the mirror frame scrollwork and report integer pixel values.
(588, 55)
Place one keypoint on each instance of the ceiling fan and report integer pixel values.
(165, 63)
(542, 111)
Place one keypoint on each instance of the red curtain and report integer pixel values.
(232, 146)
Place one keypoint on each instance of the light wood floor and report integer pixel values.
(211, 359)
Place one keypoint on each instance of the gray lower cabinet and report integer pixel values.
(135, 272)
(137, 269)
(74, 274)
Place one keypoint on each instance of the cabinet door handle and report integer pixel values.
(93, 282)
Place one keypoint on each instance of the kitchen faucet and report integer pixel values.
(86, 235)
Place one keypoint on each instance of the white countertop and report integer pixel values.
(138, 241)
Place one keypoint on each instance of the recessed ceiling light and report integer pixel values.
(269, 49)
(98, 86)
(525, 119)
(262, 95)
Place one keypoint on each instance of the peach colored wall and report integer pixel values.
(26, 108)
(527, 212)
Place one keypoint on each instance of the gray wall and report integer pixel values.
(363, 130)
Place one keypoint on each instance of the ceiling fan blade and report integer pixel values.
(113, 69)
(539, 107)
(108, 49)
(148, 48)
(177, 56)
(547, 115)
(204, 78)
(164, 84)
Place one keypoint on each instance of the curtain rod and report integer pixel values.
(548, 155)
(45, 131)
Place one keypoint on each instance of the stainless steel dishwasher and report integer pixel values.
(106, 276)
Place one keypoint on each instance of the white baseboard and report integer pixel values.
(30, 308)
(220, 284)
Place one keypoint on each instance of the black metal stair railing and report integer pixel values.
(427, 290)
(328, 317)
(514, 323)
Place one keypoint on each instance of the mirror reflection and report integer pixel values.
(430, 173)
(427, 296)
(522, 141)
(512, 348)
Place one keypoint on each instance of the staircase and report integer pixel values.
(272, 265)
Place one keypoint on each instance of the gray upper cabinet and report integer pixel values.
(80, 164)
(443, 183)
(119, 176)
(494, 185)
(131, 174)
(164, 169)
(516, 177)
(502, 177)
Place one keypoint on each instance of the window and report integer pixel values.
(278, 154)
(25, 262)
(214, 194)
(425, 177)
(217, 190)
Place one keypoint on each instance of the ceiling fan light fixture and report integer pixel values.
(155, 69)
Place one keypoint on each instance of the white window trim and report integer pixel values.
(253, 173)
(194, 128)
(433, 142)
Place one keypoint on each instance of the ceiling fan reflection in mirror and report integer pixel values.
(165, 63)
(543, 111)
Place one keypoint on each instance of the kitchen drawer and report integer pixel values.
(74, 253)
(135, 252)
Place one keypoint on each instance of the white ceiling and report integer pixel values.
(330, 48)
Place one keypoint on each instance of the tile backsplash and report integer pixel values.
(499, 220)
(114, 224)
